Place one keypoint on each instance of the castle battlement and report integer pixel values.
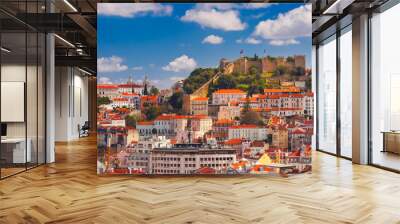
(264, 64)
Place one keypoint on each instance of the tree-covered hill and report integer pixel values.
(197, 78)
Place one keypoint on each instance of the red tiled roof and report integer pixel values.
(234, 141)
(229, 91)
(285, 90)
(200, 99)
(244, 126)
(145, 122)
(120, 99)
(107, 86)
(223, 121)
(175, 117)
(148, 98)
(130, 94)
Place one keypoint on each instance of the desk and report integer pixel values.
(13, 150)
(391, 141)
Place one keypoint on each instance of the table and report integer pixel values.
(13, 150)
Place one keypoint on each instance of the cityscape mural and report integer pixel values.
(207, 88)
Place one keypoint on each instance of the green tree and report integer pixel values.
(176, 100)
(103, 100)
(309, 83)
(197, 78)
(254, 71)
(251, 117)
(154, 91)
(246, 107)
(255, 89)
(151, 112)
(298, 71)
(226, 82)
(130, 120)
(281, 70)
(290, 59)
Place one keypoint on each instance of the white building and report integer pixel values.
(190, 158)
(107, 90)
(121, 102)
(248, 132)
(224, 96)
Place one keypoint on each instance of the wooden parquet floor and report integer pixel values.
(69, 191)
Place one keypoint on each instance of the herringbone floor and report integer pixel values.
(69, 191)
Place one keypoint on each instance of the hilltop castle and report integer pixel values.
(265, 64)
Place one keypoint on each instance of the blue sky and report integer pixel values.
(167, 41)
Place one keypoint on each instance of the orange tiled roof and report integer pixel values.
(107, 86)
(244, 126)
(148, 98)
(234, 141)
(120, 99)
(285, 90)
(145, 122)
(229, 91)
(200, 99)
(130, 94)
(223, 121)
(175, 117)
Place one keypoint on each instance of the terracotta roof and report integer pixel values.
(120, 99)
(175, 117)
(285, 90)
(130, 94)
(229, 91)
(244, 126)
(145, 123)
(223, 121)
(257, 144)
(234, 141)
(148, 98)
(107, 86)
(200, 99)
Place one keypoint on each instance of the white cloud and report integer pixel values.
(111, 64)
(256, 5)
(182, 63)
(249, 40)
(105, 80)
(252, 40)
(283, 42)
(223, 20)
(176, 78)
(137, 68)
(229, 6)
(130, 10)
(289, 25)
(213, 39)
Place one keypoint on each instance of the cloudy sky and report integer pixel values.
(167, 41)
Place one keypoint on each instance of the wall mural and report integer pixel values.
(190, 89)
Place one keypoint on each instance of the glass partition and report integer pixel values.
(326, 121)
(13, 117)
(385, 89)
(22, 88)
(346, 93)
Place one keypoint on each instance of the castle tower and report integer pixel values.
(130, 80)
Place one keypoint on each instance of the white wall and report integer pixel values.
(71, 102)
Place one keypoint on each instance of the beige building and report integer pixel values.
(224, 96)
(199, 106)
